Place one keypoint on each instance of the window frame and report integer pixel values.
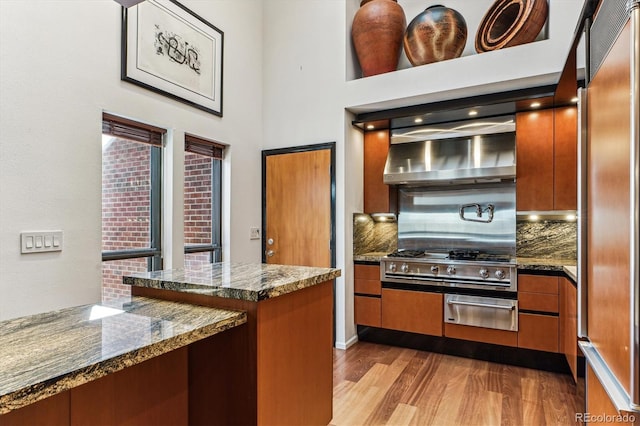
(154, 136)
(215, 151)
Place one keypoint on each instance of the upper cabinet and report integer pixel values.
(377, 195)
(546, 146)
(565, 166)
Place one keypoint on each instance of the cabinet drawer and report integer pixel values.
(366, 286)
(367, 311)
(412, 311)
(366, 272)
(542, 302)
(538, 284)
(539, 332)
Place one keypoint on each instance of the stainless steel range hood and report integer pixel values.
(461, 152)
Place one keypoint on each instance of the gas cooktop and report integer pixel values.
(472, 255)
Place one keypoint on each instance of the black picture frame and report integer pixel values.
(170, 50)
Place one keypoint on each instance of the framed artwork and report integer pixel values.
(169, 49)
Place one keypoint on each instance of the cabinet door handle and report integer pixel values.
(482, 305)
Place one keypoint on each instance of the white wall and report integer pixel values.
(59, 69)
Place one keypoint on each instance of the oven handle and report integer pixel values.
(481, 305)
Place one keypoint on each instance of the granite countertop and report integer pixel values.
(245, 281)
(544, 264)
(369, 257)
(45, 354)
(572, 272)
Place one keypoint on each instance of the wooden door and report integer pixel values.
(298, 205)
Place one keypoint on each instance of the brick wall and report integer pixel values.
(197, 206)
(126, 195)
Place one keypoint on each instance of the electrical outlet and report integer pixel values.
(255, 233)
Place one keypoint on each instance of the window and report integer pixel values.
(131, 173)
(202, 201)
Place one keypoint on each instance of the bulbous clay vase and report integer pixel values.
(437, 34)
(510, 23)
(377, 31)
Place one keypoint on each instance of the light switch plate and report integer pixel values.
(255, 233)
(40, 241)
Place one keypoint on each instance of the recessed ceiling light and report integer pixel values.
(473, 112)
(370, 126)
(535, 104)
(418, 120)
(574, 99)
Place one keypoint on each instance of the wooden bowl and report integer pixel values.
(510, 23)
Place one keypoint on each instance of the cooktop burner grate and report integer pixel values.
(472, 255)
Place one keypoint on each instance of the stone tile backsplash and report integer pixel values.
(547, 239)
(370, 236)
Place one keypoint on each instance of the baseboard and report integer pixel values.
(346, 345)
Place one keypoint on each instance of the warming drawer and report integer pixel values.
(480, 311)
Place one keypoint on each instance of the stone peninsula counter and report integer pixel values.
(280, 365)
(55, 353)
(243, 281)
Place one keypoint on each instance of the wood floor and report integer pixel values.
(383, 385)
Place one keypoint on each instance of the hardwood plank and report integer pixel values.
(456, 381)
(483, 409)
(423, 388)
(402, 415)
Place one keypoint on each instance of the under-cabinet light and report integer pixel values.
(534, 217)
(473, 112)
(383, 217)
(370, 127)
(535, 104)
(574, 99)
(418, 120)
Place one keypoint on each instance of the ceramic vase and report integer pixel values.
(510, 23)
(437, 34)
(377, 32)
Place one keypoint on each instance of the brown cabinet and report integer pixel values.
(538, 321)
(413, 311)
(546, 142)
(378, 197)
(538, 332)
(367, 289)
(569, 324)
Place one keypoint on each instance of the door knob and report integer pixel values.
(270, 253)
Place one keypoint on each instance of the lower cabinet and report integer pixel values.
(538, 321)
(569, 324)
(539, 332)
(368, 310)
(366, 300)
(413, 311)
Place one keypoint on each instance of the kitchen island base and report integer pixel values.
(150, 393)
(278, 366)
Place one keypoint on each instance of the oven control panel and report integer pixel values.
(452, 273)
